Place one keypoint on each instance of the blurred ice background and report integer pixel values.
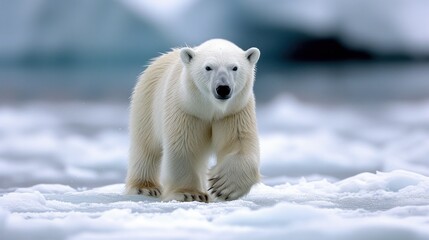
(342, 88)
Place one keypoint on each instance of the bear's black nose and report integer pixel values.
(223, 91)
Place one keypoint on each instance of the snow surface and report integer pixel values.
(368, 206)
(330, 172)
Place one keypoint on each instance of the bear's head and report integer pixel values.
(220, 69)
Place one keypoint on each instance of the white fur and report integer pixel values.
(176, 123)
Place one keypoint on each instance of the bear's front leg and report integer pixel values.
(237, 150)
(186, 141)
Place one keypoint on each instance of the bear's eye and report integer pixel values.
(208, 68)
(234, 69)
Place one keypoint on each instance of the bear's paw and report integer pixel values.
(224, 189)
(145, 188)
(188, 196)
(232, 180)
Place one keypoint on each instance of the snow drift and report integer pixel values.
(390, 205)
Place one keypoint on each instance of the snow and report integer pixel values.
(367, 206)
(300, 139)
(63, 146)
(330, 172)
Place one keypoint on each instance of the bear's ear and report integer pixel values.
(252, 54)
(187, 54)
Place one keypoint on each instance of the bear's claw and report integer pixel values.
(199, 197)
(152, 192)
(224, 189)
(189, 197)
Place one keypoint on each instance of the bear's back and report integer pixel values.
(162, 64)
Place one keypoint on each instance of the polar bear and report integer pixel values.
(187, 105)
